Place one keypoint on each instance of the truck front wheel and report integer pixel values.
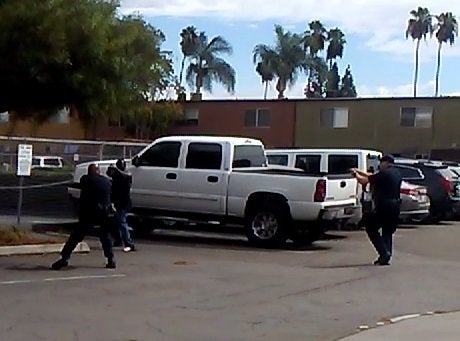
(267, 225)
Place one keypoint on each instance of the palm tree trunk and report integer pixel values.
(266, 90)
(182, 66)
(281, 87)
(438, 70)
(417, 48)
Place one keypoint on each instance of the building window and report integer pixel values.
(116, 121)
(192, 116)
(416, 117)
(61, 116)
(259, 118)
(4, 117)
(334, 118)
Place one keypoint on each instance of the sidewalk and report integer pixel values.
(28, 221)
(439, 327)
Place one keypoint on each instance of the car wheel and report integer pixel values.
(268, 224)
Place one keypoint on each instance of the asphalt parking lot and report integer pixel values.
(212, 287)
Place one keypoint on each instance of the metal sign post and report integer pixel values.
(24, 167)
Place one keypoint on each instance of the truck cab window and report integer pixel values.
(163, 154)
(249, 156)
(204, 156)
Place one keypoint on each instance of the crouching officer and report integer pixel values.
(386, 193)
(94, 210)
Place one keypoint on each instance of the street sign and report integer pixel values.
(24, 160)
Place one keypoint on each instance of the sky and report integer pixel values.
(380, 56)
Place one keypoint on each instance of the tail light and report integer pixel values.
(320, 191)
(446, 184)
(422, 191)
(411, 191)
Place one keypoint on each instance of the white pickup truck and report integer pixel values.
(226, 181)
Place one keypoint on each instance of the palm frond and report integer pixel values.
(219, 45)
(223, 73)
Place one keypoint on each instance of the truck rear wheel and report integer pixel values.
(267, 225)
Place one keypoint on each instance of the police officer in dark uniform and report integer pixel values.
(94, 210)
(386, 194)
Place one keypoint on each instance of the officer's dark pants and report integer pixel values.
(384, 219)
(79, 233)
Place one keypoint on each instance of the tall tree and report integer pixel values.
(447, 30)
(347, 87)
(207, 66)
(85, 56)
(266, 73)
(333, 80)
(418, 27)
(336, 44)
(314, 42)
(286, 59)
(188, 45)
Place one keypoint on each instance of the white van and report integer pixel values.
(330, 162)
(47, 162)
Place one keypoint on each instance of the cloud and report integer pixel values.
(365, 91)
(381, 22)
(404, 90)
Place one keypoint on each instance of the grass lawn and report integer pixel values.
(10, 236)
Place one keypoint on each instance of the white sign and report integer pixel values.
(24, 159)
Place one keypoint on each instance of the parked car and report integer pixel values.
(47, 162)
(439, 187)
(225, 180)
(415, 203)
(329, 161)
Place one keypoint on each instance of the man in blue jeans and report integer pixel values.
(121, 187)
(386, 192)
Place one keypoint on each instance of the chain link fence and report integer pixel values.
(45, 191)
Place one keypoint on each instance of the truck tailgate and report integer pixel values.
(340, 187)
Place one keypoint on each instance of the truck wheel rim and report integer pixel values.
(264, 226)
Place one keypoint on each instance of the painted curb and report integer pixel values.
(39, 249)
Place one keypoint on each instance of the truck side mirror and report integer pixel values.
(135, 161)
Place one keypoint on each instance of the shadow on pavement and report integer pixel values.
(344, 266)
(227, 238)
(28, 267)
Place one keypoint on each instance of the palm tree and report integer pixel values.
(315, 37)
(206, 66)
(314, 41)
(285, 60)
(266, 73)
(336, 45)
(418, 26)
(188, 45)
(447, 30)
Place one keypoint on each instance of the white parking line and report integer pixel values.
(55, 279)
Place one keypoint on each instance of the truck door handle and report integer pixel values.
(171, 176)
(213, 178)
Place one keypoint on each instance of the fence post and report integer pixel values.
(101, 151)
